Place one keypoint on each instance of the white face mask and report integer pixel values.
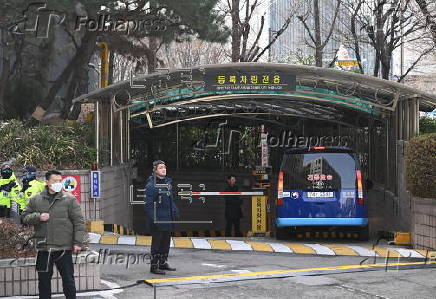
(56, 187)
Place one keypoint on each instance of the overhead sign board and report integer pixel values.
(245, 80)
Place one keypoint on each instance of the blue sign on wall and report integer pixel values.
(95, 184)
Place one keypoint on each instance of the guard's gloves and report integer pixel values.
(8, 187)
(25, 184)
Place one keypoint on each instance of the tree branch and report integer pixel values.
(429, 19)
(332, 26)
(262, 21)
(278, 33)
(428, 51)
(302, 20)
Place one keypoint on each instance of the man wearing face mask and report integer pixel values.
(9, 189)
(59, 232)
(31, 186)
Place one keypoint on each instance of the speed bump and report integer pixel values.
(341, 250)
(183, 243)
(269, 246)
(301, 248)
(220, 244)
(109, 240)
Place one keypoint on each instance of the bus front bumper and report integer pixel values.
(283, 222)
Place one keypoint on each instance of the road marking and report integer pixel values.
(108, 240)
(362, 251)
(183, 243)
(300, 248)
(239, 245)
(220, 244)
(384, 251)
(110, 293)
(201, 244)
(257, 246)
(124, 240)
(213, 265)
(341, 249)
(144, 241)
(240, 271)
(275, 273)
(409, 253)
(277, 247)
(321, 249)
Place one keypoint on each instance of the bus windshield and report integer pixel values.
(319, 171)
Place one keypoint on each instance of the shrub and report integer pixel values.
(15, 240)
(421, 165)
(427, 125)
(47, 146)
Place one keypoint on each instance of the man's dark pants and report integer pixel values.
(233, 222)
(160, 247)
(64, 263)
(4, 212)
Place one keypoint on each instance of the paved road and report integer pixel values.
(417, 283)
(413, 283)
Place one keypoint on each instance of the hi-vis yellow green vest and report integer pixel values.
(35, 187)
(13, 194)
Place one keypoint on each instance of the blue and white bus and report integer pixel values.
(320, 187)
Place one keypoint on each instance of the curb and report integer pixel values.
(263, 246)
(206, 233)
(118, 229)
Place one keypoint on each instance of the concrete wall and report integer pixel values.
(113, 207)
(387, 211)
(424, 223)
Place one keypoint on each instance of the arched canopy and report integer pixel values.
(178, 95)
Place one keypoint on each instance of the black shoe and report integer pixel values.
(156, 270)
(166, 267)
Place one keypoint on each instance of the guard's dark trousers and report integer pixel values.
(160, 247)
(64, 263)
(4, 212)
(233, 222)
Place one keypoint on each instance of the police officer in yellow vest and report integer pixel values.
(9, 189)
(31, 186)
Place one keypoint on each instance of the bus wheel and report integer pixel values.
(283, 233)
(364, 233)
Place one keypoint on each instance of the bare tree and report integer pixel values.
(191, 53)
(386, 25)
(428, 9)
(316, 41)
(245, 44)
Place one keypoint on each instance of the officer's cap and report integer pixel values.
(157, 162)
(29, 168)
(5, 166)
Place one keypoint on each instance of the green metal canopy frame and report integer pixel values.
(172, 96)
